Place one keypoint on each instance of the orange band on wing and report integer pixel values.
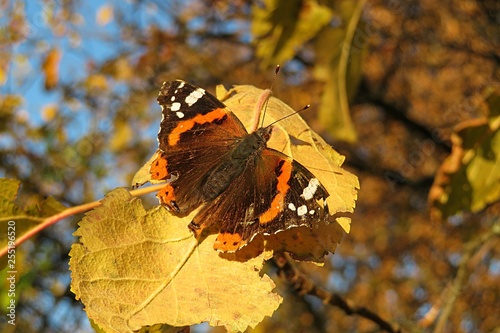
(186, 125)
(158, 169)
(227, 242)
(279, 200)
(166, 196)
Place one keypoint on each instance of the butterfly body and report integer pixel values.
(231, 176)
(220, 177)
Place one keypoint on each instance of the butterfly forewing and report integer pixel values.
(197, 131)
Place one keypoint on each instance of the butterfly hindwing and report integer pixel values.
(274, 193)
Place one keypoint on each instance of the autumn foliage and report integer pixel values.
(406, 92)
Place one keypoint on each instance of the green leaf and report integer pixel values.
(340, 68)
(23, 219)
(469, 179)
(281, 27)
(135, 268)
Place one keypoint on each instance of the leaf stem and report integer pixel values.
(344, 61)
(48, 221)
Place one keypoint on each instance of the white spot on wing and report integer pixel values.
(181, 85)
(312, 211)
(172, 98)
(180, 114)
(302, 210)
(308, 192)
(194, 96)
(175, 106)
(162, 118)
(291, 206)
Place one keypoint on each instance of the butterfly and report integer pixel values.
(214, 165)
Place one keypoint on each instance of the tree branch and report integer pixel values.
(451, 294)
(47, 222)
(303, 285)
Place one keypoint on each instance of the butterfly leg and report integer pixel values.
(195, 228)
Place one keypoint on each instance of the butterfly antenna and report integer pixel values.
(269, 94)
(276, 71)
(289, 115)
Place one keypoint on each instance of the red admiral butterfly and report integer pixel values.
(211, 162)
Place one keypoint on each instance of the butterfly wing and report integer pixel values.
(274, 193)
(197, 132)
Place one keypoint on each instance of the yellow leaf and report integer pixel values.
(135, 268)
(104, 15)
(96, 83)
(119, 69)
(3, 76)
(121, 136)
(49, 112)
(50, 67)
(282, 26)
(469, 178)
(340, 68)
(8, 103)
(24, 218)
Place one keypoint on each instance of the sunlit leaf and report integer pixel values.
(104, 15)
(8, 105)
(119, 69)
(95, 83)
(340, 68)
(3, 76)
(50, 68)
(281, 27)
(469, 179)
(49, 112)
(24, 218)
(135, 268)
(122, 135)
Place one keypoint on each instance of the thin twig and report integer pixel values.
(451, 294)
(303, 285)
(48, 221)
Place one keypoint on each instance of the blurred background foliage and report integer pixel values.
(388, 81)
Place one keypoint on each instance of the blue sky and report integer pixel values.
(26, 77)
